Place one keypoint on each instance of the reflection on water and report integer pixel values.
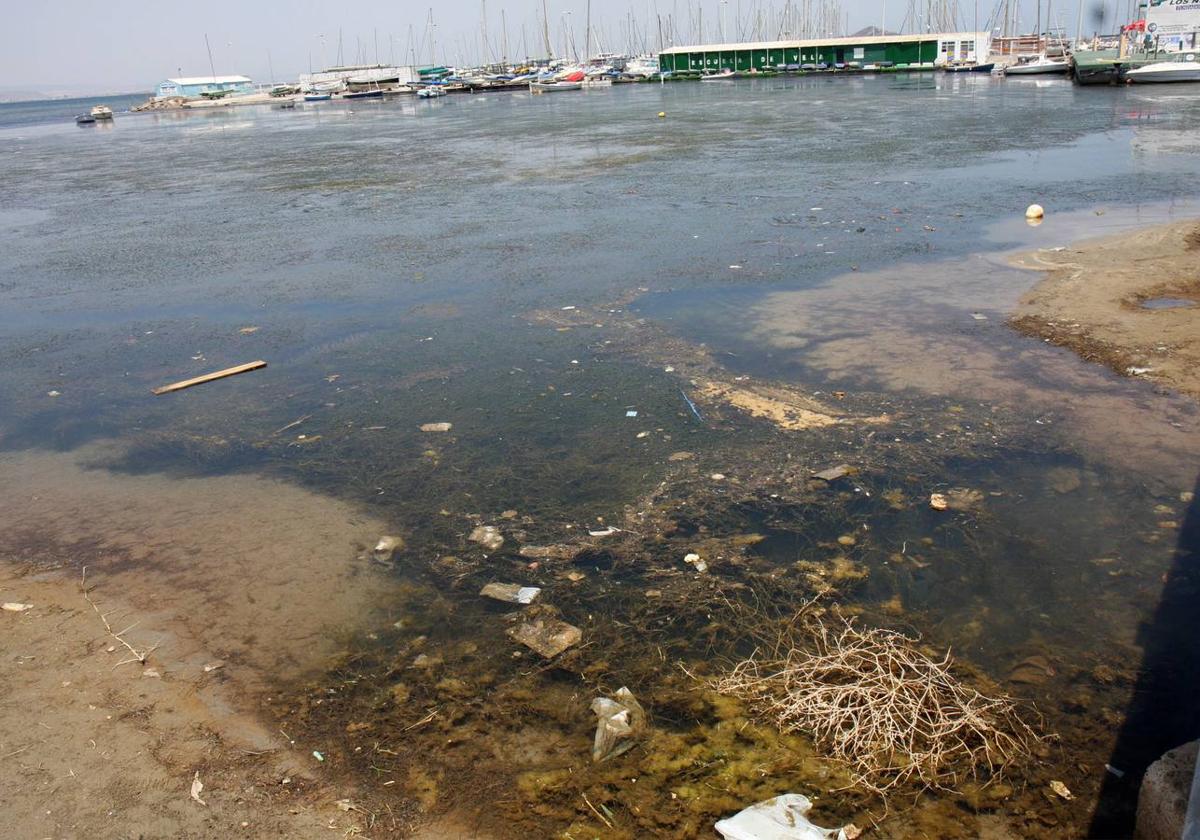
(827, 233)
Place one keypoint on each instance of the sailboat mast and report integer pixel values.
(587, 34)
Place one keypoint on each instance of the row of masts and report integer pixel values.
(659, 26)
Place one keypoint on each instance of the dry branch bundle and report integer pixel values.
(872, 699)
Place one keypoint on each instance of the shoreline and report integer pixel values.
(1093, 299)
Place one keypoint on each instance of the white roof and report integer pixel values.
(820, 42)
(209, 80)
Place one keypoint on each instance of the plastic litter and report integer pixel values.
(511, 593)
(13, 606)
(386, 548)
(488, 536)
(547, 636)
(833, 473)
(781, 818)
(436, 427)
(621, 720)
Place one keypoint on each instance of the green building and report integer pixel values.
(927, 50)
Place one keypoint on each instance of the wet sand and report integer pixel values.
(1093, 300)
(232, 583)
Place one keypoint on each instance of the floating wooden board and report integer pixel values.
(209, 377)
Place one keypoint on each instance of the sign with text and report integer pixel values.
(1172, 17)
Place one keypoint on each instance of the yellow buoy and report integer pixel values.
(1034, 211)
(662, 114)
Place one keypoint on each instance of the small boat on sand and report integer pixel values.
(317, 97)
(1187, 70)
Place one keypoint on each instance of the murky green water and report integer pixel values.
(417, 262)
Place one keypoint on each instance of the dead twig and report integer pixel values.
(136, 655)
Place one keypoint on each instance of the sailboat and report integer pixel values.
(1036, 66)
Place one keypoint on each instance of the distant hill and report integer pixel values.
(872, 32)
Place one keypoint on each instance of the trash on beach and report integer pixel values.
(781, 818)
(488, 536)
(1137, 371)
(213, 666)
(13, 606)
(1061, 789)
(621, 720)
(386, 548)
(604, 532)
(631, 414)
(691, 405)
(1034, 211)
(436, 427)
(209, 377)
(547, 636)
(696, 562)
(511, 593)
(198, 788)
(833, 473)
(938, 502)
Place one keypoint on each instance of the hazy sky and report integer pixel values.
(117, 45)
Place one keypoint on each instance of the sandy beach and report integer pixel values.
(1097, 297)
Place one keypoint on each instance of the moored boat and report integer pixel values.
(724, 75)
(363, 94)
(1187, 70)
(85, 119)
(1039, 65)
(101, 112)
(430, 92)
(547, 87)
(317, 97)
(969, 67)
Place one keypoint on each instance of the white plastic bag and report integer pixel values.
(622, 719)
(781, 818)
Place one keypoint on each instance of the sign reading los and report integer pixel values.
(1171, 17)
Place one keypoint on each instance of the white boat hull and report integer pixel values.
(1036, 68)
(1165, 71)
(549, 87)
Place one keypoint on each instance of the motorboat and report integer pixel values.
(724, 75)
(85, 119)
(548, 87)
(1037, 66)
(101, 112)
(966, 67)
(430, 92)
(1185, 70)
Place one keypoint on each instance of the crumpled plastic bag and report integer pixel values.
(622, 719)
(781, 818)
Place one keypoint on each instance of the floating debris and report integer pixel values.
(386, 548)
(436, 427)
(781, 818)
(210, 377)
(511, 593)
(547, 636)
(488, 536)
(937, 501)
(833, 473)
(1061, 789)
(621, 720)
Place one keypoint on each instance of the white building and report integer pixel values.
(360, 75)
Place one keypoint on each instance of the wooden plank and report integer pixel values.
(209, 377)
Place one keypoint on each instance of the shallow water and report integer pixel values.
(401, 263)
